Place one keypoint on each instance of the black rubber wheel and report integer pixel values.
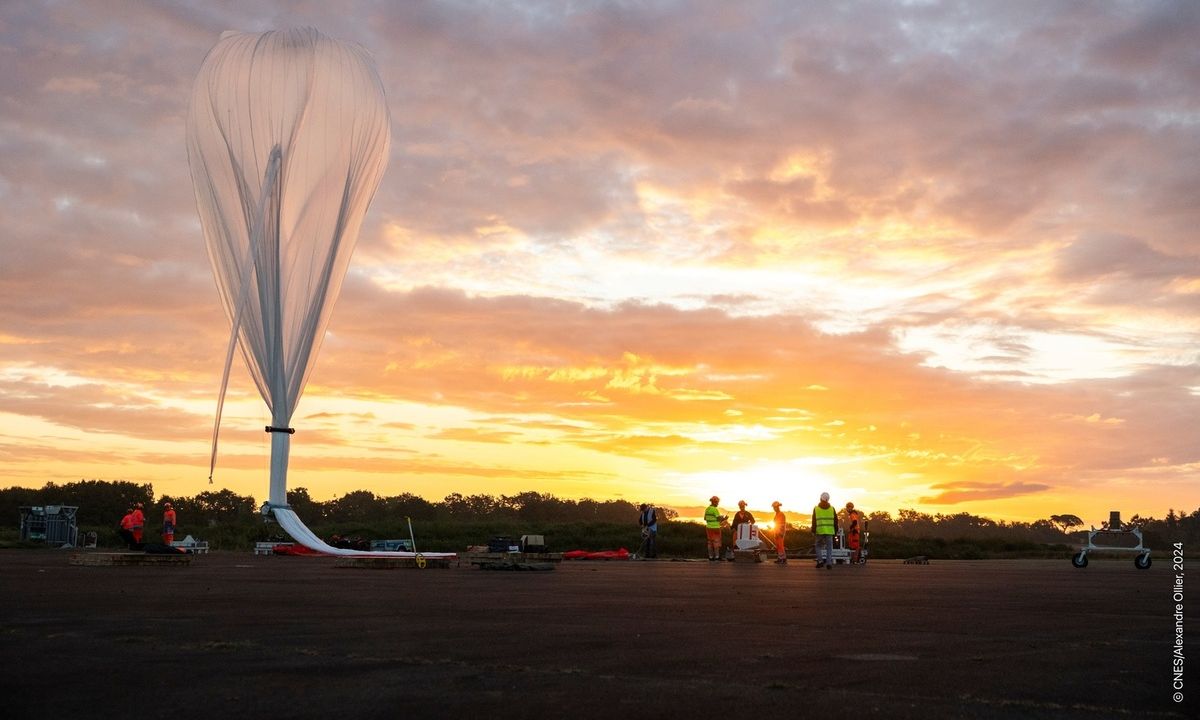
(1080, 560)
(1142, 562)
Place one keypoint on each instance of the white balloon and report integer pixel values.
(288, 137)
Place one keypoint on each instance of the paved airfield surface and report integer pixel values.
(234, 635)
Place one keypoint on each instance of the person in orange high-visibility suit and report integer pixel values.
(125, 529)
(139, 522)
(853, 532)
(168, 532)
(780, 523)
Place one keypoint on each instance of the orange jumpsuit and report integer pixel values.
(139, 520)
(168, 532)
(853, 533)
(127, 529)
(780, 530)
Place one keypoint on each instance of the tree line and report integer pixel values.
(102, 503)
(1156, 532)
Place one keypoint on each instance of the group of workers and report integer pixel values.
(824, 528)
(133, 524)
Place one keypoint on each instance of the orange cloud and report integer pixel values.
(943, 260)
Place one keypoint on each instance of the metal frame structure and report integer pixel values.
(52, 524)
(1142, 561)
(842, 554)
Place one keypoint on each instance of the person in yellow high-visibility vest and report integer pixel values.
(713, 522)
(824, 527)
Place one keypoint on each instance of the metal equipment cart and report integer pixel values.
(1114, 539)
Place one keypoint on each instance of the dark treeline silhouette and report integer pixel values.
(363, 506)
(102, 503)
(911, 524)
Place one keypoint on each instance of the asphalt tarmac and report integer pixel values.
(235, 635)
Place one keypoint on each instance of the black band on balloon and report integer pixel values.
(289, 431)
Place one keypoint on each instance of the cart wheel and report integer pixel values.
(1080, 560)
(1142, 562)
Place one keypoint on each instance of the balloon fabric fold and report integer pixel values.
(287, 137)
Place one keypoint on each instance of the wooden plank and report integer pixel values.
(379, 563)
(489, 558)
(128, 558)
(502, 565)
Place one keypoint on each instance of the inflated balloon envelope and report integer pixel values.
(288, 137)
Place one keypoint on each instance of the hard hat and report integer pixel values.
(825, 497)
(714, 499)
(741, 503)
(776, 504)
(166, 504)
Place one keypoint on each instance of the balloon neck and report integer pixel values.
(280, 443)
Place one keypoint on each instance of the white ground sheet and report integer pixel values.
(295, 527)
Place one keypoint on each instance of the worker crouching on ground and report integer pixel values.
(740, 518)
(853, 532)
(824, 527)
(780, 523)
(713, 522)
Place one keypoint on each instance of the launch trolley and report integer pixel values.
(1114, 539)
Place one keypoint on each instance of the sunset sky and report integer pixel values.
(930, 255)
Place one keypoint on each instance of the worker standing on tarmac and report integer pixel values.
(780, 523)
(139, 522)
(648, 520)
(853, 532)
(168, 532)
(125, 529)
(713, 521)
(824, 527)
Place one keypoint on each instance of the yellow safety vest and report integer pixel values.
(825, 519)
(712, 517)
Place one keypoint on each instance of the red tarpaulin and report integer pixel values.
(294, 549)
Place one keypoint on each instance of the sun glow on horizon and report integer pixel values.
(795, 483)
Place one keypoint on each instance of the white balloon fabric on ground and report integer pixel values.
(288, 136)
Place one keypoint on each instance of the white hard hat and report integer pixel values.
(824, 497)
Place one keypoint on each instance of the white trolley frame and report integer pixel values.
(1142, 561)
